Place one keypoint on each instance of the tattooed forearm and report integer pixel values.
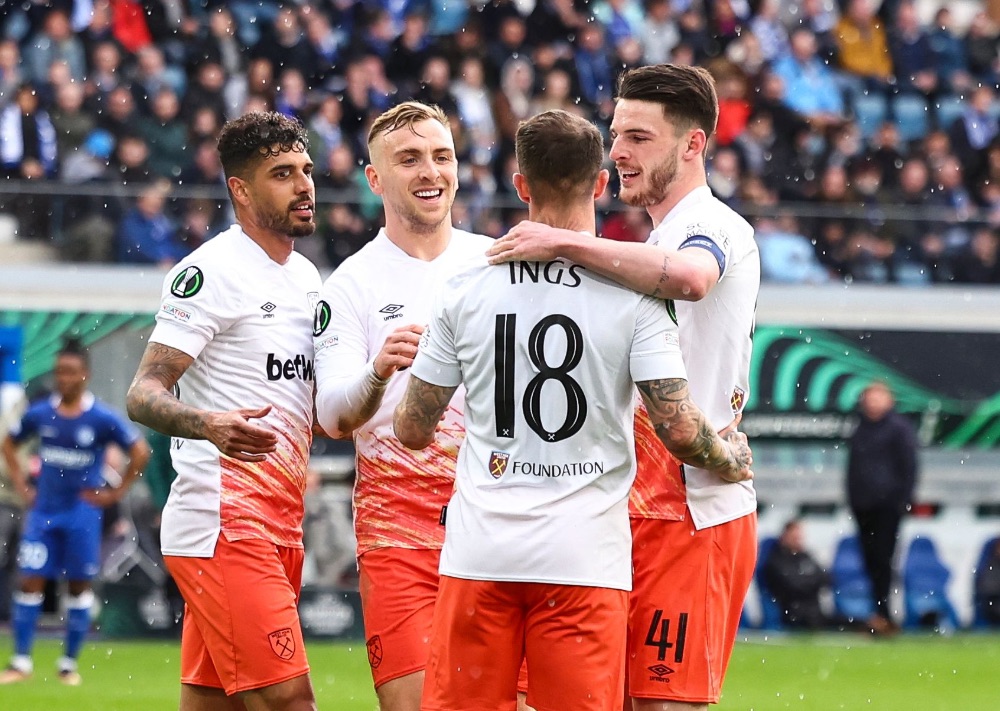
(150, 400)
(418, 414)
(660, 289)
(687, 434)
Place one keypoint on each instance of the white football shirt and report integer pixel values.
(549, 354)
(716, 337)
(398, 493)
(247, 322)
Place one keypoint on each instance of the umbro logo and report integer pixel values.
(661, 672)
(391, 311)
(268, 309)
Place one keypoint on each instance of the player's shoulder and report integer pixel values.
(469, 243)
(470, 272)
(715, 219)
(215, 262)
(306, 272)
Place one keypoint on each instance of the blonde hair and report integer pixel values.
(405, 115)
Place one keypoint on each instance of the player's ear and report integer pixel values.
(602, 183)
(521, 186)
(374, 182)
(238, 188)
(697, 144)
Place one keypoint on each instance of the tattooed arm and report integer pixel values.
(689, 436)
(151, 402)
(685, 274)
(419, 412)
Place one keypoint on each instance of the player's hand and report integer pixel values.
(526, 241)
(102, 497)
(742, 456)
(398, 351)
(236, 436)
(731, 427)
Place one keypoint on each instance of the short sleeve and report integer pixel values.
(712, 238)
(197, 303)
(25, 427)
(656, 351)
(121, 431)
(437, 357)
(339, 331)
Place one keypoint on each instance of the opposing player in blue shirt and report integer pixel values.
(62, 534)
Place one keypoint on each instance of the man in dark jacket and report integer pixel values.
(796, 580)
(881, 476)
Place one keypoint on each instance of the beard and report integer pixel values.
(420, 223)
(283, 223)
(659, 178)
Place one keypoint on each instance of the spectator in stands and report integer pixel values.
(881, 479)
(982, 45)
(987, 586)
(557, 93)
(89, 221)
(756, 142)
(28, 151)
(595, 79)
(71, 121)
(796, 163)
(862, 45)
(283, 42)
(54, 42)
(833, 245)
(913, 58)
(949, 53)
(408, 51)
(166, 135)
(325, 43)
(769, 30)
(844, 147)
(152, 75)
(130, 163)
(475, 110)
(106, 73)
(810, 86)
(291, 98)
(217, 42)
(786, 255)
(734, 106)
(11, 71)
(724, 175)
(509, 42)
(914, 235)
(119, 115)
(207, 89)
(623, 19)
(974, 131)
(725, 24)
(979, 262)
(358, 103)
(435, 86)
(146, 235)
(554, 21)
(796, 580)
(324, 130)
(659, 34)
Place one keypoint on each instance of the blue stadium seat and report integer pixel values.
(852, 589)
(769, 607)
(949, 108)
(869, 112)
(911, 117)
(925, 579)
(979, 618)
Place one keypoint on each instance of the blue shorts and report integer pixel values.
(67, 543)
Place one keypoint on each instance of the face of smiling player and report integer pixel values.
(414, 171)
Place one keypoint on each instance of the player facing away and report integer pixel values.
(372, 312)
(694, 533)
(536, 562)
(228, 373)
(62, 532)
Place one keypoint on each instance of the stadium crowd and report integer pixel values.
(863, 144)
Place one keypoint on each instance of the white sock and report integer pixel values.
(65, 664)
(23, 663)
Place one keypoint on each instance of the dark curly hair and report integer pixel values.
(249, 139)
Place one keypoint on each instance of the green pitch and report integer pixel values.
(813, 673)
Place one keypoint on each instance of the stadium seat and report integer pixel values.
(949, 108)
(979, 618)
(869, 111)
(911, 117)
(769, 607)
(852, 589)
(925, 579)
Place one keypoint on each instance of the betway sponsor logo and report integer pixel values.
(298, 367)
(557, 470)
(66, 458)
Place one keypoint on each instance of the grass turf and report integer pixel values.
(811, 673)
